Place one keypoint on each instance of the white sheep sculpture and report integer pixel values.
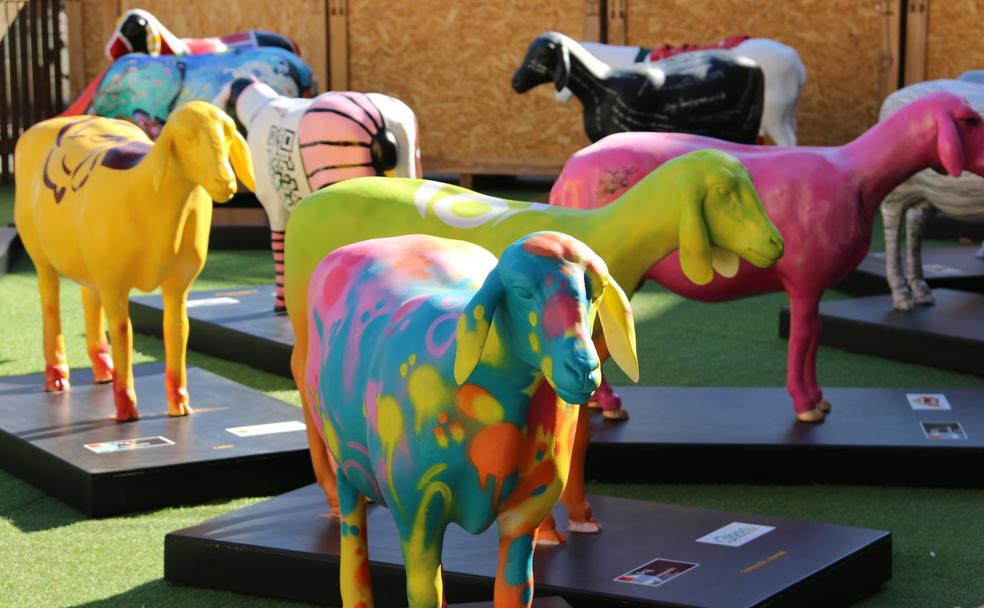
(916, 199)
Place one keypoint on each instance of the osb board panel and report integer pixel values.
(303, 20)
(954, 39)
(452, 63)
(839, 42)
(98, 19)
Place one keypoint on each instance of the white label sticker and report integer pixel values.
(735, 534)
(211, 302)
(267, 429)
(928, 401)
(122, 445)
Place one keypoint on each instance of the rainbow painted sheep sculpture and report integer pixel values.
(425, 369)
(710, 211)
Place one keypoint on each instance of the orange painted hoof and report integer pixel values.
(549, 538)
(591, 526)
(128, 414)
(814, 415)
(56, 378)
(179, 409)
(102, 366)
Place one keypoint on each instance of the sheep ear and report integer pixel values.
(242, 161)
(619, 328)
(562, 70)
(165, 141)
(474, 326)
(724, 262)
(949, 147)
(696, 254)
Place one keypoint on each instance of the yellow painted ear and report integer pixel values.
(695, 245)
(474, 325)
(724, 262)
(165, 141)
(242, 161)
(619, 328)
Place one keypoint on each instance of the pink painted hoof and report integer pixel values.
(605, 398)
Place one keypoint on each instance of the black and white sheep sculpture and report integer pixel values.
(712, 93)
(926, 192)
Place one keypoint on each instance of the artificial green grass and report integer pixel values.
(50, 555)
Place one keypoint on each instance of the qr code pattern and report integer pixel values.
(280, 143)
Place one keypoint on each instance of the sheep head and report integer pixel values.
(959, 134)
(721, 217)
(544, 294)
(547, 58)
(202, 143)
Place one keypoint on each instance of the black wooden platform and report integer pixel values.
(234, 324)
(69, 445)
(948, 267)
(750, 435)
(948, 335)
(284, 547)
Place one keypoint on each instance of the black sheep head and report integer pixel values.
(134, 31)
(547, 58)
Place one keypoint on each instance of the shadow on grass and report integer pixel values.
(161, 593)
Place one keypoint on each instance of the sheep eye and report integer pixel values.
(972, 120)
(522, 292)
(723, 190)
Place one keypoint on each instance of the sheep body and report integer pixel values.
(781, 66)
(302, 145)
(823, 201)
(96, 202)
(423, 367)
(914, 199)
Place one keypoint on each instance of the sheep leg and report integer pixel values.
(803, 314)
(95, 337)
(915, 223)
(354, 579)
(55, 362)
(175, 295)
(324, 470)
(574, 498)
(121, 341)
(421, 545)
(277, 246)
(810, 367)
(892, 210)
(514, 577)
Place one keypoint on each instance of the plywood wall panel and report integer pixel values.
(839, 41)
(98, 19)
(452, 63)
(954, 41)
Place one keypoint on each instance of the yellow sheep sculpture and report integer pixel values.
(100, 203)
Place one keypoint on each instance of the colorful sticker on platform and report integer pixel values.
(939, 270)
(267, 429)
(656, 572)
(211, 302)
(943, 430)
(735, 534)
(932, 402)
(122, 445)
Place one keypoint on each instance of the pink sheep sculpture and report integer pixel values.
(822, 200)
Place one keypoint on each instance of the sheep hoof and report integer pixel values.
(619, 414)
(814, 415)
(902, 303)
(584, 527)
(126, 415)
(56, 378)
(550, 538)
(179, 409)
(102, 367)
(824, 406)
